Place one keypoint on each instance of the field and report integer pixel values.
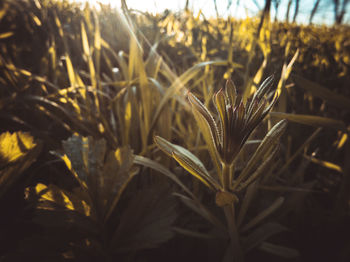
(127, 136)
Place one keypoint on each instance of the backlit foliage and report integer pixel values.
(89, 97)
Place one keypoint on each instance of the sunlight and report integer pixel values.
(151, 6)
(237, 9)
(247, 8)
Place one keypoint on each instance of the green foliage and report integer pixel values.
(100, 91)
(237, 122)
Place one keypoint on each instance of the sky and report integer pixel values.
(244, 9)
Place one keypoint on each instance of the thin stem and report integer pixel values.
(225, 176)
(230, 215)
(234, 236)
(231, 172)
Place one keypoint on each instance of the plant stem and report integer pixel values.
(234, 236)
(230, 215)
(225, 176)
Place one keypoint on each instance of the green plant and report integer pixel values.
(237, 120)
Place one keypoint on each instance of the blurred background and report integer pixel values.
(300, 11)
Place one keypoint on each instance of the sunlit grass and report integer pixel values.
(107, 87)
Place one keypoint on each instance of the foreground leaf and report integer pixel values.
(208, 128)
(269, 141)
(146, 222)
(188, 161)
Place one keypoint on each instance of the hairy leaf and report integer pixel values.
(269, 141)
(188, 161)
(208, 128)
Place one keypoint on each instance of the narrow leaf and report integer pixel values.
(260, 170)
(271, 139)
(208, 128)
(280, 251)
(249, 195)
(275, 205)
(311, 120)
(325, 164)
(261, 234)
(188, 161)
(201, 210)
(178, 83)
